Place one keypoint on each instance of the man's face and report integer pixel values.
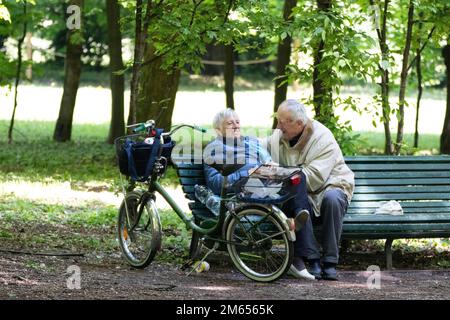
(287, 125)
(231, 127)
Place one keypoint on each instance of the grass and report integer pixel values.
(86, 228)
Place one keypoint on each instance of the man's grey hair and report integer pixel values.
(221, 116)
(296, 109)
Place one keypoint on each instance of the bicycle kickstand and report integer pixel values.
(214, 248)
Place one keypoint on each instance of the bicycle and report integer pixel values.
(258, 236)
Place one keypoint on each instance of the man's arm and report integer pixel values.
(319, 169)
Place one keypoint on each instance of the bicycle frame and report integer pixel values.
(156, 186)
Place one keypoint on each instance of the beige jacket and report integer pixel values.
(321, 158)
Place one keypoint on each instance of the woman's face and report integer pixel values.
(231, 127)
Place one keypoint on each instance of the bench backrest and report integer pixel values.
(401, 178)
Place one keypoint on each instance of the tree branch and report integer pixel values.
(421, 48)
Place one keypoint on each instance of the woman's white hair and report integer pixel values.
(296, 109)
(221, 116)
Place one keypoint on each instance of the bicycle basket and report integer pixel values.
(135, 152)
(268, 184)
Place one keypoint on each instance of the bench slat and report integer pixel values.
(382, 219)
(396, 234)
(190, 173)
(399, 227)
(401, 189)
(401, 196)
(402, 182)
(409, 204)
(400, 167)
(397, 159)
(401, 174)
(188, 165)
(414, 211)
(192, 181)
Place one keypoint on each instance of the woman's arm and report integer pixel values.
(214, 179)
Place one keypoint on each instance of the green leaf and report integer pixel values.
(4, 13)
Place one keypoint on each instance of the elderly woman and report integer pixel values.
(230, 148)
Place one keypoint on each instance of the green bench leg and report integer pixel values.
(388, 252)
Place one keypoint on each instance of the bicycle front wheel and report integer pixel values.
(139, 229)
(258, 245)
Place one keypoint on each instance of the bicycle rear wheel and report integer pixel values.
(258, 245)
(139, 231)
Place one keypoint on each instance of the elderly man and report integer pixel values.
(300, 141)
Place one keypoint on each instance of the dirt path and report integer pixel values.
(36, 277)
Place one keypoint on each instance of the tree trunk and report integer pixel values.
(283, 59)
(140, 46)
(18, 71)
(419, 86)
(445, 137)
(29, 56)
(214, 52)
(158, 91)
(63, 128)
(419, 97)
(117, 126)
(384, 70)
(2, 42)
(138, 53)
(404, 79)
(229, 75)
(322, 95)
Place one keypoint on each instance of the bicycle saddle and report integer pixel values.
(227, 169)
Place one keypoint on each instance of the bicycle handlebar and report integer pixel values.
(150, 125)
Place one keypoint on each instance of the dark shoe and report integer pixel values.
(300, 219)
(329, 271)
(314, 268)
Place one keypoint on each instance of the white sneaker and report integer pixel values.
(302, 274)
(300, 219)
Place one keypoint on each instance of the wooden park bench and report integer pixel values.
(420, 184)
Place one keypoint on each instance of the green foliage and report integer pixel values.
(345, 52)
(4, 13)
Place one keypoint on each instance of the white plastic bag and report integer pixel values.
(391, 207)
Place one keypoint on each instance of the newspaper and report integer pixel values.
(274, 172)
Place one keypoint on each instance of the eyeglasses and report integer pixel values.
(283, 122)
